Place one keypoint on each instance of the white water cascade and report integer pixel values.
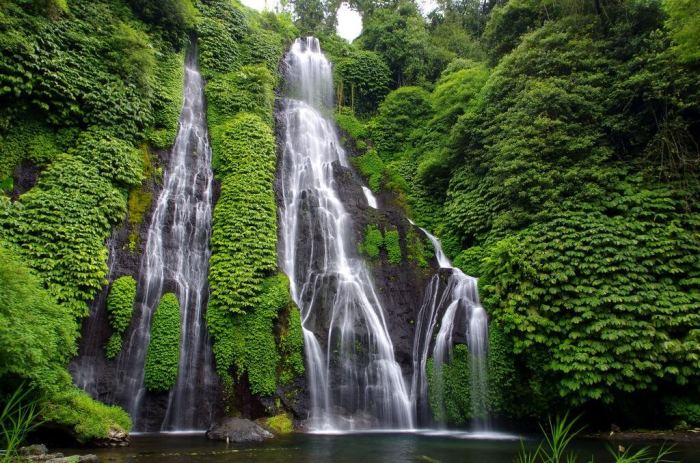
(176, 259)
(459, 295)
(354, 380)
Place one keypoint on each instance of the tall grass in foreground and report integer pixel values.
(19, 416)
(558, 436)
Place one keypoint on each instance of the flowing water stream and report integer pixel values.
(176, 259)
(354, 379)
(459, 295)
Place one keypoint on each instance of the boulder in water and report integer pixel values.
(237, 430)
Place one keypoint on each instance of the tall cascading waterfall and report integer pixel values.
(459, 295)
(354, 379)
(176, 259)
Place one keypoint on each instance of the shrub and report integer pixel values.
(372, 242)
(163, 357)
(362, 79)
(120, 306)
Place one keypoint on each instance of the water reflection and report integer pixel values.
(350, 448)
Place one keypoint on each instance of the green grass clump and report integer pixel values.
(560, 433)
(163, 357)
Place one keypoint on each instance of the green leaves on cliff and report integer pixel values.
(120, 307)
(254, 326)
(60, 227)
(163, 356)
(36, 341)
(362, 80)
(244, 236)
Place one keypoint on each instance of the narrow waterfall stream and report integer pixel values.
(354, 379)
(459, 295)
(176, 259)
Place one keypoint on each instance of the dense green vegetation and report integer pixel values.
(120, 307)
(163, 356)
(83, 84)
(255, 328)
(553, 147)
(36, 341)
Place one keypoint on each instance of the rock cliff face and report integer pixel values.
(400, 287)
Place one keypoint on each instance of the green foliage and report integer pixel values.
(245, 342)
(309, 15)
(244, 235)
(398, 34)
(291, 347)
(90, 419)
(400, 113)
(280, 424)
(36, 342)
(393, 246)
(248, 304)
(683, 24)
(120, 306)
(163, 356)
(173, 17)
(220, 29)
(449, 388)
(61, 225)
(114, 159)
(508, 23)
(59, 67)
(249, 89)
(347, 121)
(18, 417)
(168, 93)
(372, 242)
(113, 346)
(612, 300)
(28, 140)
(264, 47)
(371, 167)
(683, 409)
(417, 250)
(362, 80)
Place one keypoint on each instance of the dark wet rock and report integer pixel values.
(114, 439)
(39, 453)
(37, 449)
(24, 178)
(238, 430)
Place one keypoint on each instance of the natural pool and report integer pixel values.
(430, 447)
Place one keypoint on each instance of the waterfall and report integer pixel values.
(371, 199)
(459, 295)
(354, 379)
(176, 259)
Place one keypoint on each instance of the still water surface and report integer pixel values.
(349, 448)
